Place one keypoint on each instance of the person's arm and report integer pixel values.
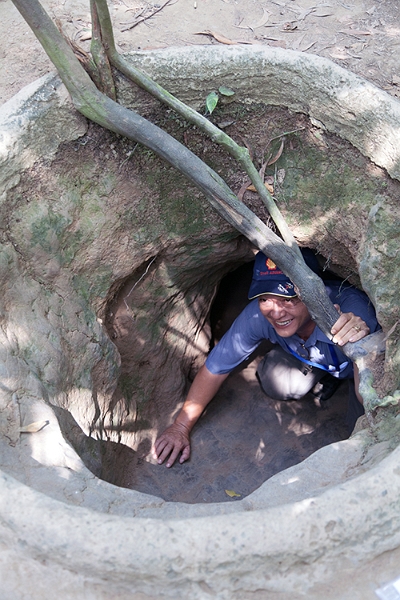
(176, 438)
(236, 345)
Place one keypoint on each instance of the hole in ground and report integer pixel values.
(243, 438)
(126, 463)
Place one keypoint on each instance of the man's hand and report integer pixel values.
(173, 440)
(348, 328)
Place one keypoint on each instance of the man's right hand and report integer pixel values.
(173, 440)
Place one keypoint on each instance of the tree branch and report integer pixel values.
(99, 55)
(101, 109)
(217, 135)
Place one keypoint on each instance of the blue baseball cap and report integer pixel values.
(269, 279)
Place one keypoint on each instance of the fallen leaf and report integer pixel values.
(327, 14)
(224, 124)
(83, 37)
(33, 427)
(278, 154)
(308, 47)
(277, 43)
(303, 14)
(269, 187)
(217, 36)
(225, 91)
(264, 21)
(232, 494)
(211, 101)
(242, 190)
(354, 32)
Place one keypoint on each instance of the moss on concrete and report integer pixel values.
(325, 180)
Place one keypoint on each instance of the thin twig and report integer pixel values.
(144, 18)
(277, 137)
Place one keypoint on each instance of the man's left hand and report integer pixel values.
(348, 328)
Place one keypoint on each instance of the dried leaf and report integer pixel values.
(308, 47)
(354, 32)
(242, 190)
(232, 494)
(277, 43)
(262, 23)
(33, 427)
(269, 187)
(264, 20)
(217, 36)
(84, 36)
(303, 14)
(278, 154)
(224, 124)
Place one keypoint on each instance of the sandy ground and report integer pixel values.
(363, 35)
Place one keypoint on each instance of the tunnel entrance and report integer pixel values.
(244, 437)
(157, 313)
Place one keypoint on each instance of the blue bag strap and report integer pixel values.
(319, 366)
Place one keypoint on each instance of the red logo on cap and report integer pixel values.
(272, 269)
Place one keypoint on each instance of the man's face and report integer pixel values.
(286, 315)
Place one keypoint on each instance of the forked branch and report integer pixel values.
(103, 110)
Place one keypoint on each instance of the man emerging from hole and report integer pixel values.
(302, 359)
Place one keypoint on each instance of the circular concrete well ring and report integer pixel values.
(145, 545)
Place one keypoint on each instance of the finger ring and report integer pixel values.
(357, 328)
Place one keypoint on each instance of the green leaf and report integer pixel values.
(226, 91)
(232, 494)
(211, 101)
